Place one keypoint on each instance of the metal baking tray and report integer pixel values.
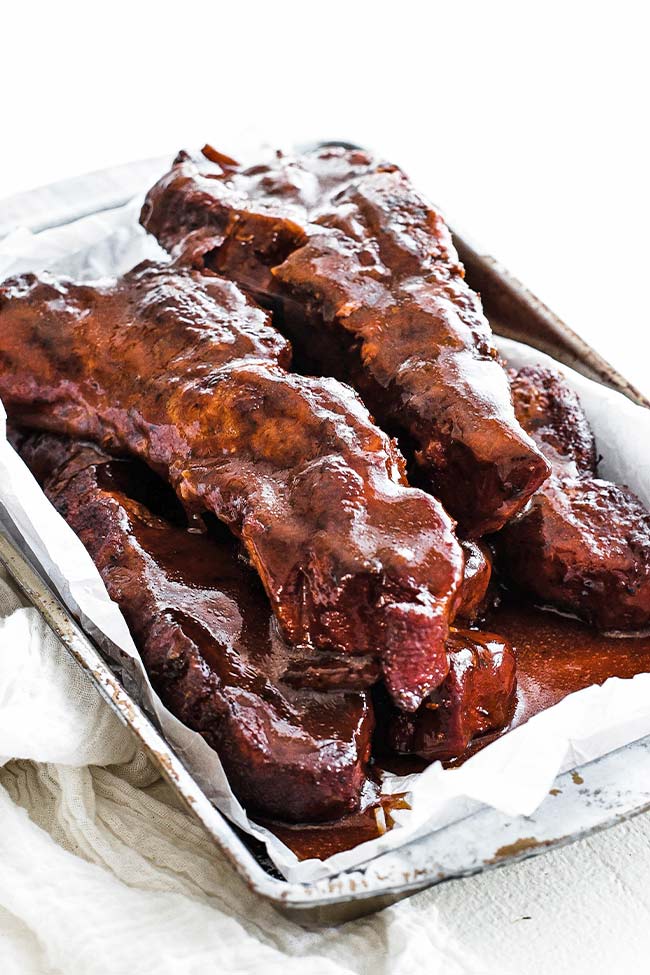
(591, 798)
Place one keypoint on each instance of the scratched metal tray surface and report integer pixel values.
(591, 798)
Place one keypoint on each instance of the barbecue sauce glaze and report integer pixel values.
(556, 655)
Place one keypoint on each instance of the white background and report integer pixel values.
(527, 122)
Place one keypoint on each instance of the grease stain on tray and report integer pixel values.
(519, 846)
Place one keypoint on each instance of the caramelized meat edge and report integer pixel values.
(362, 274)
(206, 634)
(582, 544)
(178, 368)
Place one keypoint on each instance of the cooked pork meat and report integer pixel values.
(207, 637)
(475, 587)
(362, 273)
(551, 413)
(477, 696)
(582, 544)
(178, 368)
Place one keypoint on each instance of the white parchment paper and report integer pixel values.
(513, 774)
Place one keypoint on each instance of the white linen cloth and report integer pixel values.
(100, 873)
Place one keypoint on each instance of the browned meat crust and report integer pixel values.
(583, 544)
(477, 696)
(364, 276)
(206, 635)
(180, 369)
(551, 413)
(475, 587)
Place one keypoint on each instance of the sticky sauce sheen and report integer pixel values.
(556, 656)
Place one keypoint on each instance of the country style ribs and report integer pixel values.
(206, 635)
(178, 368)
(362, 275)
(475, 589)
(582, 544)
(298, 592)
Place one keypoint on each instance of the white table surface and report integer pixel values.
(528, 124)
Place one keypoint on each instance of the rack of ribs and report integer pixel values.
(362, 275)
(178, 368)
(205, 632)
(582, 544)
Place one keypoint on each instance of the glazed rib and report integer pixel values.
(363, 275)
(476, 697)
(181, 370)
(475, 590)
(204, 630)
(583, 544)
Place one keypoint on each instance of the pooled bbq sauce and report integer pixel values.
(556, 655)
(324, 840)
